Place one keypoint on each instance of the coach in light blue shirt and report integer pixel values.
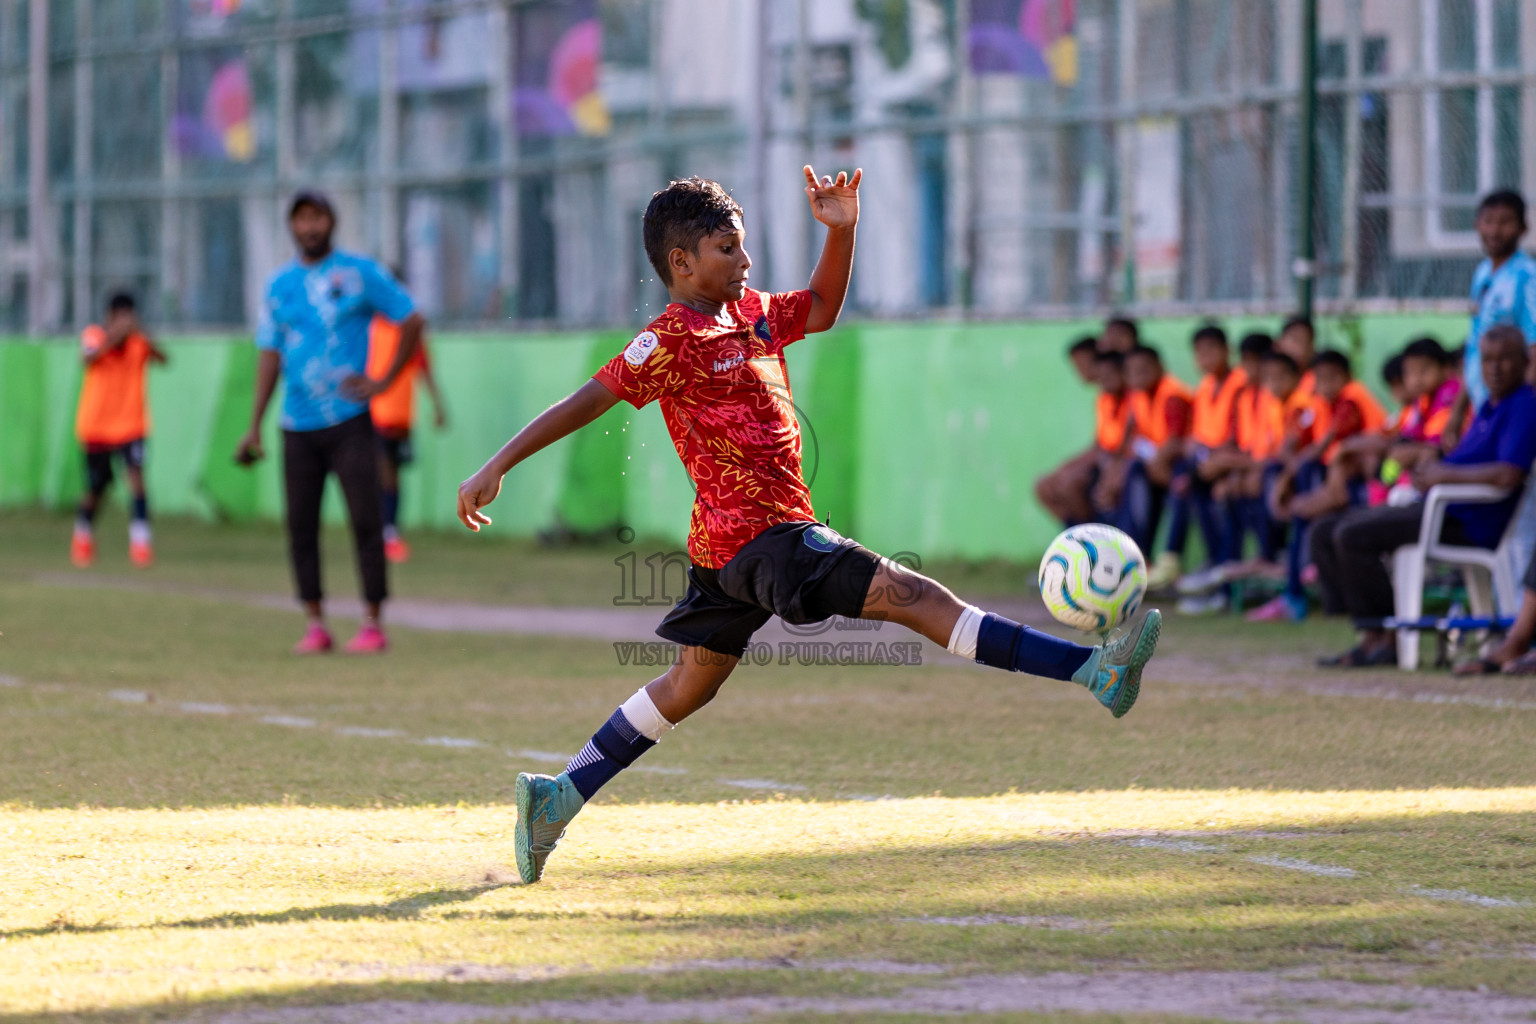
(1503, 288)
(313, 332)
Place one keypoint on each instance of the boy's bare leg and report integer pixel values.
(1111, 671)
(691, 682)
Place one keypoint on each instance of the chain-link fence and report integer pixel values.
(1022, 157)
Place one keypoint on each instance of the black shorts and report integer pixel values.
(98, 462)
(396, 446)
(801, 572)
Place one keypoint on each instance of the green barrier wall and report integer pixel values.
(918, 437)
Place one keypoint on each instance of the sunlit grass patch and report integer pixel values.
(118, 906)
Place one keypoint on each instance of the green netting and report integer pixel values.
(919, 437)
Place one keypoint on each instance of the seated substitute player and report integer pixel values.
(112, 422)
(1235, 474)
(1342, 409)
(1063, 492)
(394, 411)
(1160, 414)
(1213, 418)
(715, 361)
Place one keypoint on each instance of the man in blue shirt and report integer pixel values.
(313, 331)
(1503, 292)
(1497, 449)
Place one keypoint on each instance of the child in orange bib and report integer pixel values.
(394, 411)
(111, 423)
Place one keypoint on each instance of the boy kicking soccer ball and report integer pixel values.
(715, 361)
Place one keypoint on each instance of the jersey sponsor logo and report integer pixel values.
(730, 362)
(639, 350)
(761, 330)
(821, 538)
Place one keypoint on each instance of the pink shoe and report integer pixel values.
(1279, 608)
(317, 640)
(369, 640)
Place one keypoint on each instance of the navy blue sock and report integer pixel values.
(1003, 643)
(391, 507)
(611, 749)
(141, 509)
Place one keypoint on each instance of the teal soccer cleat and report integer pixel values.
(545, 806)
(1113, 672)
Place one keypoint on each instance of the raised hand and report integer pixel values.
(834, 203)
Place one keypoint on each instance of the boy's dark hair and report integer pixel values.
(1456, 356)
(1256, 343)
(680, 215)
(1299, 321)
(1115, 359)
(1125, 323)
(1087, 343)
(119, 301)
(1392, 371)
(1425, 348)
(1212, 333)
(1148, 351)
(1281, 359)
(1334, 358)
(1508, 198)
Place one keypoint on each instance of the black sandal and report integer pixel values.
(1358, 657)
(1355, 657)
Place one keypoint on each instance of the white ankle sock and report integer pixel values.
(963, 640)
(139, 532)
(642, 714)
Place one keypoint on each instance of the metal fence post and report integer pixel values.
(1305, 267)
(41, 271)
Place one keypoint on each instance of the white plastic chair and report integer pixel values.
(1492, 578)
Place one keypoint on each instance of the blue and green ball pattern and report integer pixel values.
(1093, 577)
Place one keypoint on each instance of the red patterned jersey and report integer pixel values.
(724, 392)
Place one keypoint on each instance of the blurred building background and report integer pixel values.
(1022, 157)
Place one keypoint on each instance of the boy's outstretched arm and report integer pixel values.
(566, 416)
(835, 204)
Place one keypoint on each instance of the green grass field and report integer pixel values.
(196, 826)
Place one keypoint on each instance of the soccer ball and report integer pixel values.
(1093, 577)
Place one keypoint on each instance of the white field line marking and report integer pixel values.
(1463, 896)
(761, 784)
(539, 755)
(1176, 845)
(1497, 703)
(192, 707)
(367, 732)
(196, 707)
(1296, 864)
(1055, 923)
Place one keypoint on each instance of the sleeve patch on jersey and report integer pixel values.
(639, 350)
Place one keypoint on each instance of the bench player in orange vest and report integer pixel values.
(1339, 408)
(112, 422)
(1235, 474)
(1160, 414)
(1212, 429)
(393, 411)
(1063, 492)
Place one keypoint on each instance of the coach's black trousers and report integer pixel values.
(1349, 551)
(350, 451)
